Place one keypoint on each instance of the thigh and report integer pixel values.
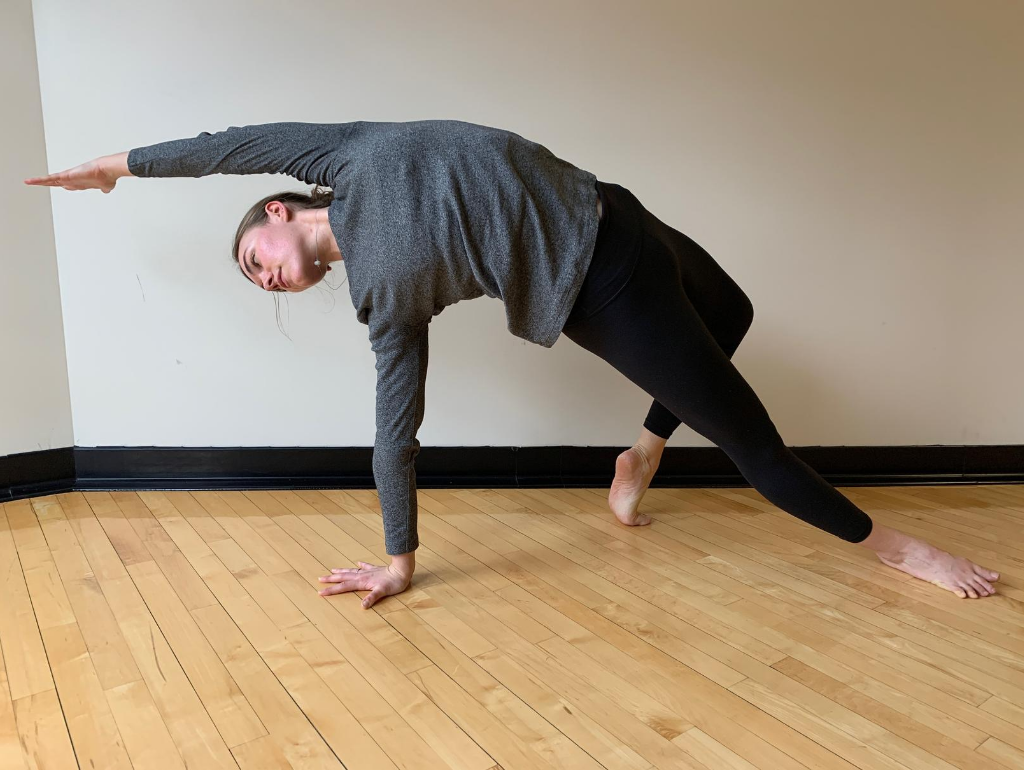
(625, 227)
(723, 306)
(653, 334)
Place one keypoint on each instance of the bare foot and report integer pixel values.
(633, 474)
(954, 573)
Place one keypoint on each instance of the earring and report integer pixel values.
(316, 240)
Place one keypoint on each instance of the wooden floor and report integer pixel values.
(177, 629)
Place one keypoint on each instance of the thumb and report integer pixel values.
(372, 597)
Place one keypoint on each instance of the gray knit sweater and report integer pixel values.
(426, 213)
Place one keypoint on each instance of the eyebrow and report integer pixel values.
(245, 269)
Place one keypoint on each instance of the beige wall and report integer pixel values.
(35, 410)
(855, 166)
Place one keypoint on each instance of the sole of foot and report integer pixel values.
(954, 573)
(633, 474)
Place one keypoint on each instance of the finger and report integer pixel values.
(39, 179)
(372, 597)
(986, 573)
(364, 565)
(983, 586)
(339, 588)
(338, 577)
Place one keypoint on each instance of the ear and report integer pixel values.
(277, 210)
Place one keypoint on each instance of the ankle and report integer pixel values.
(890, 543)
(651, 446)
(649, 463)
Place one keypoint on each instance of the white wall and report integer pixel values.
(855, 166)
(35, 408)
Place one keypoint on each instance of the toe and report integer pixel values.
(970, 591)
(639, 519)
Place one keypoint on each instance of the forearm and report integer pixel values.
(402, 353)
(395, 475)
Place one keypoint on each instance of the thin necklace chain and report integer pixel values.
(323, 273)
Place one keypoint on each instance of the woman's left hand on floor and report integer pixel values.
(379, 581)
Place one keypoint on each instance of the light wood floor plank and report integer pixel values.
(43, 732)
(28, 672)
(896, 678)
(11, 751)
(224, 702)
(935, 742)
(162, 629)
(713, 721)
(94, 732)
(188, 723)
(145, 734)
(294, 735)
(692, 608)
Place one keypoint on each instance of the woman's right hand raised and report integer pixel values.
(97, 174)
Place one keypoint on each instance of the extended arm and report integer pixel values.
(314, 153)
(310, 152)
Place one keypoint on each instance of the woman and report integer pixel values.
(426, 213)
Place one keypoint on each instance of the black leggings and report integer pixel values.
(657, 307)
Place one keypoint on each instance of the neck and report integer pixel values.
(320, 230)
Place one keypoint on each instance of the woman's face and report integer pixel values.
(279, 255)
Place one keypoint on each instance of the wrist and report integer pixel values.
(117, 165)
(404, 564)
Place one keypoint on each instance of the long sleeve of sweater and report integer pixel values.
(310, 152)
(401, 352)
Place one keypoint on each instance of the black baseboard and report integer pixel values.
(32, 474)
(172, 468)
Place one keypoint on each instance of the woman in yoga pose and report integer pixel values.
(423, 214)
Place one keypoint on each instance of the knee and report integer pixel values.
(741, 320)
(746, 310)
(760, 448)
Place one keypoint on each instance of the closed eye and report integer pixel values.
(254, 261)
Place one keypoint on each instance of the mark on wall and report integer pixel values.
(140, 287)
